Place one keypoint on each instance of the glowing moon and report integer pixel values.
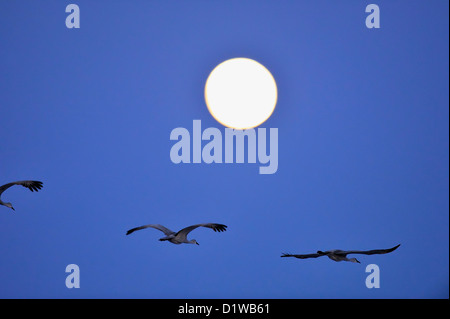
(241, 93)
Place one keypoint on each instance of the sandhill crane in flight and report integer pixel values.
(180, 237)
(341, 255)
(31, 185)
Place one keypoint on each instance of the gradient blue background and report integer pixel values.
(363, 123)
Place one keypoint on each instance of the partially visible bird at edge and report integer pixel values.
(33, 186)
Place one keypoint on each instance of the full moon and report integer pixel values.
(241, 93)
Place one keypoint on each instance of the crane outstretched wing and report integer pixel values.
(302, 256)
(33, 186)
(369, 252)
(165, 230)
(182, 234)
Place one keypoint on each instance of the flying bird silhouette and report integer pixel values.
(31, 185)
(341, 255)
(180, 237)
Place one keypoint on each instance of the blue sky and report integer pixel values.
(362, 116)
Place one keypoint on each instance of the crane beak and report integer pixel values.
(197, 243)
(13, 208)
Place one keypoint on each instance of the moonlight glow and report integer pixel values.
(240, 93)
